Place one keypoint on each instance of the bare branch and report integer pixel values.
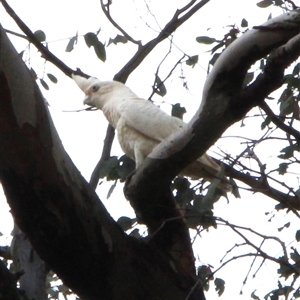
(44, 50)
(105, 9)
(169, 28)
(224, 102)
(109, 137)
(9, 290)
(286, 200)
(59, 212)
(137, 59)
(5, 252)
(279, 123)
(16, 34)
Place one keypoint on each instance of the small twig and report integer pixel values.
(251, 266)
(16, 34)
(259, 251)
(198, 282)
(109, 137)
(105, 9)
(43, 49)
(5, 252)
(231, 249)
(291, 202)
(169, 28)
(168, 76)
(278, 122)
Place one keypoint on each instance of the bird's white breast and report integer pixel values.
(134, 144)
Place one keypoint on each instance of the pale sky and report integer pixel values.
(82, 133)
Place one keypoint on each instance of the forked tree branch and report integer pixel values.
(169, 28)
(224, 102)
(106, 11)
(46, 54)
(142, 52)
(279, 123)
(285, 199)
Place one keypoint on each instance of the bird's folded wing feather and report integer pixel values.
(147, 118)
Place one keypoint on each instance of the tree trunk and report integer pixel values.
(60, 213)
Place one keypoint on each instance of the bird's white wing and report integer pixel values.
(147, 118)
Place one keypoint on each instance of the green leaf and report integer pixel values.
(264, 3)
(278, 2)
(292, 82)
(262, 64)
(253, 296)
(248, 78)
(192, 60)
(71, 43)
(118, 39)
(204, 274)
(125, 167)
(282, 168)
(295, 256)
(108, 168)
(126, 223)
(135, 233)
(40, 35)
(44, 84)
(287, 225)
(265, 123)
(235, 190)
(159, 87)
(286, 101)
(244, 23)
(296, 70)
(297, 293)
(205, 40)
(220, 286)
(100, 51)
(297, 235)
(194, 218)
(178, 111)
(289, 151)
(90, 39)
(214, 58)
(184, 194)
(218, 46)
(111, 189)
(52, 78)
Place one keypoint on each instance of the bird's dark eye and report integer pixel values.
(95, 88)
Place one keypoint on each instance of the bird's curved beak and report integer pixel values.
(87, 100)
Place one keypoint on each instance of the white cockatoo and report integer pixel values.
(140, 124)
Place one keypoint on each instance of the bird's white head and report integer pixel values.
(88, 86)
(84, 83)
(98, 93)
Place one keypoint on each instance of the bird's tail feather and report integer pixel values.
(205, 167)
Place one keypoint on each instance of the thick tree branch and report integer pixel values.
(137, 59)
(109, 137)
(285, 199)
(224, 102)
(8, 287)
(106, 10)
(58, 211)
(169, 28)
(5, 252)
(43, 50)
(279, 123)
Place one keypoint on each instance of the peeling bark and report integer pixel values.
(224, 102)
(8, 289)
(28, 263)
(60, 213)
